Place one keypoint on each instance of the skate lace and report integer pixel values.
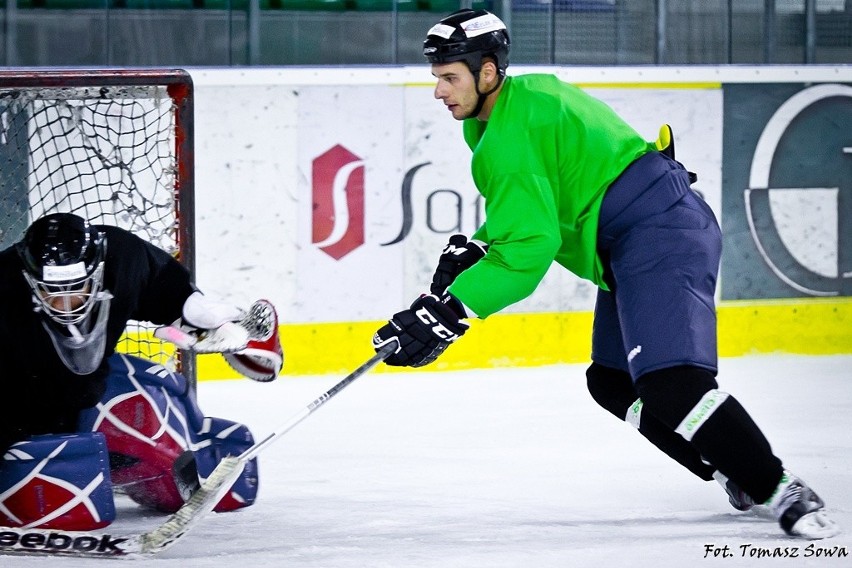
(792, 494)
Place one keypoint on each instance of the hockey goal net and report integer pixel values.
(113, 146)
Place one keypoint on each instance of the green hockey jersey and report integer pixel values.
(543, 162)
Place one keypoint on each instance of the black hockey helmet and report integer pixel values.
(468, 35)
(63, 257)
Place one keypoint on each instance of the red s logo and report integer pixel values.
(338, 202)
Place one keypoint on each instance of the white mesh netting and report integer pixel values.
(107, 153)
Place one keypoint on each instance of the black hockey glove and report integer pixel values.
(423, 331)
(459, 255)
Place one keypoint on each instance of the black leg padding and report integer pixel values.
(729, 438)
(614, 391)
(671, 393)
(611, 388)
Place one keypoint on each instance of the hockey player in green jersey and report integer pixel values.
(567, 180)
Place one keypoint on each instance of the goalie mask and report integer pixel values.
(63, 259)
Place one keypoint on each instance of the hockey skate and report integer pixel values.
(738, 498)
(800, 511)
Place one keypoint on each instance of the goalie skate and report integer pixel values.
(185, 473)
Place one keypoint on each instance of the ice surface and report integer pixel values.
(514, 468)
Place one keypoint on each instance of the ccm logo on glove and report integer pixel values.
(459, 255)
(438, 329)
(423, 331)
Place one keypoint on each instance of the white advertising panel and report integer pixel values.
(350, 163)
(332, 192)
(246, 191)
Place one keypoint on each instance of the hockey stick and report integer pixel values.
(383, 353)
(99, 545)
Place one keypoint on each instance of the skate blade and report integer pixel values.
(814, 526)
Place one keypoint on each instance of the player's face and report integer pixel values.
(66, 301)
(455, 88)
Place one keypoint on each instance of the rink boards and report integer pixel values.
(331, 191)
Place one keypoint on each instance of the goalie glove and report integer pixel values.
(263, 358)
(207, 326)
(423, 331)
(459, 255)
(248, 340)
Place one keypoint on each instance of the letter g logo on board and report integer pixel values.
(800, 190)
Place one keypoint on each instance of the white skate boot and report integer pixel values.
(800, 511)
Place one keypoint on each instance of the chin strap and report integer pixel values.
(482, 96)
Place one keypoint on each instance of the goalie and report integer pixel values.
(75, 417)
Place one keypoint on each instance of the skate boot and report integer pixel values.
(738, 498)
(800, 511)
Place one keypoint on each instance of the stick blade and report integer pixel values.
(46, 542)
(199, 504)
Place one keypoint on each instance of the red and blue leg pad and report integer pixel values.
(57, 482)
(150, 419)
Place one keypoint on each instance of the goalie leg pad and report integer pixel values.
(57, 482)
(150, 422)
(148, 418)
(223, 438)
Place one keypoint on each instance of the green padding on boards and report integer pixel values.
(385, 5)
(66, 4)
(154, 4)
(320, 5)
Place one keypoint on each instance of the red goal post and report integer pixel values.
(112, 145)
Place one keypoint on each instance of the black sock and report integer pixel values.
(614, 391)
(728, 438)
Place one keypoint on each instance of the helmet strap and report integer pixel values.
(483, 96)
